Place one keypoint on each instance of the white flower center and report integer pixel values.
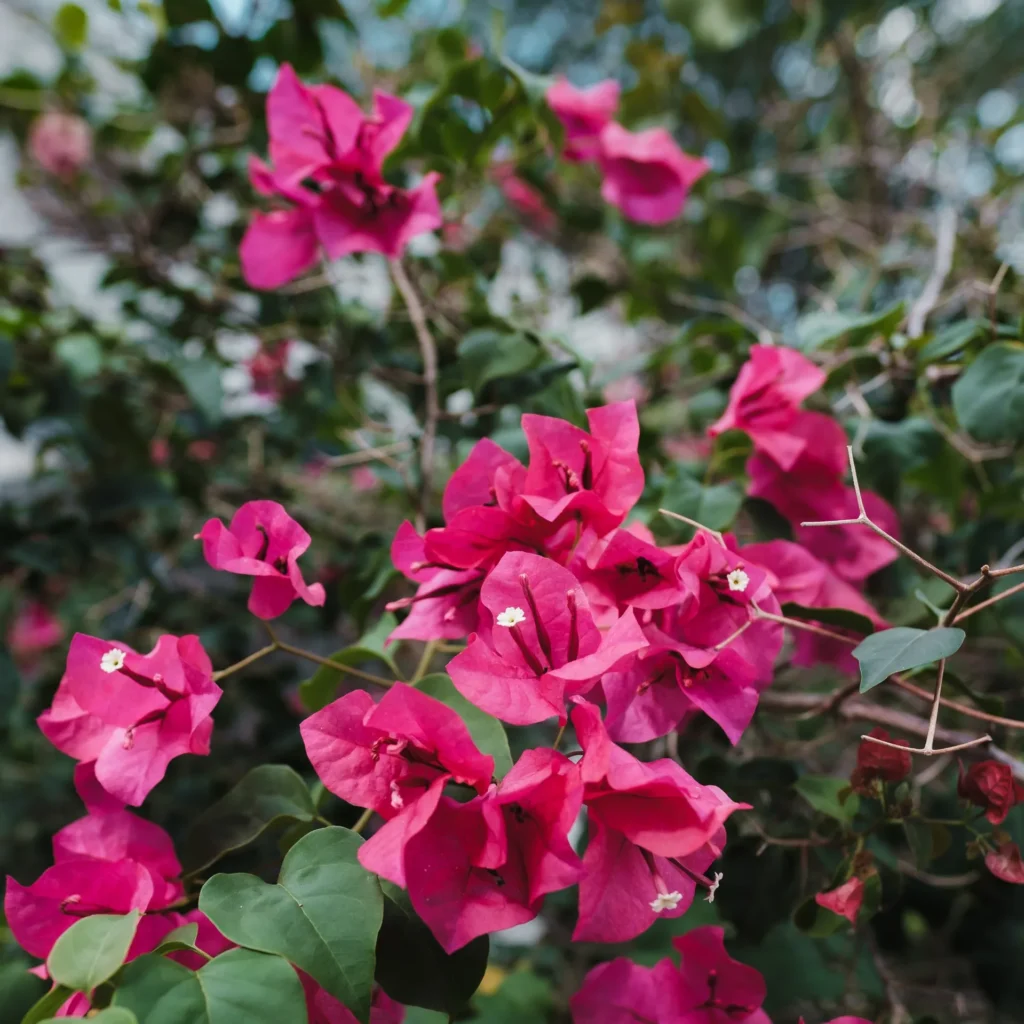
(666, 901)
(738, 580)
(710, 898)
(511, 617)
(112, 660)
(396, 798)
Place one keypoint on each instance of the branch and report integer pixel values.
(945, 240)
(428, 350)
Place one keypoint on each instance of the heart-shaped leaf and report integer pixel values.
(414, 969)
(268, 795)
(903, 648)
(239, 985)
(323, 915)
(92, 950)
(487, 732)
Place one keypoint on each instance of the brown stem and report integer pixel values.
(989, 602)
(245, 662)
(428, 351)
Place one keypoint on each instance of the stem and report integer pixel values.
(245, 662)
(989, 602)
(933, 719)
(926, 750)
(808, 627)
(428, 350)
(425, 659)
(693, 523)
(558, 738)
(299, 652)
(963, 709)
(733, 635)
(362, 821)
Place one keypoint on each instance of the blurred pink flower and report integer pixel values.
(34, 629)
(583, 113)
(60, 143)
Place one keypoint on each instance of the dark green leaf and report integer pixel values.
(239, 985)
(413, 968)
(903, 648)
(92, 950)
(844, 618)
(486, 355)
(320, 689)
(487, 732)
(829, 796)
(816, 921)
(181, 939)
(48, 1005)
(201, 380)
(268, 795)
(111, 1015)
(823, 328)
(323, 915)
(950, 340)
(989, 398)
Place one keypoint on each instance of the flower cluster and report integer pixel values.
(326, 169)
(799, 462)
(645, 174)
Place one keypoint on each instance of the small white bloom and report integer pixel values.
(511, 617)
(666, 901)
(112, 660)
(396, 798)
(714, 887)
(738, 580)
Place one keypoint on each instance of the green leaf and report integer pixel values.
(71, 26)
(714, 507)
(487, 732)
(950, 340)
(816, 921)
(902, 648)
(844, 618)
(821, 328)
(48, 1005)
(486, 355)
(81, 354)
(268, 795)
(92, 950)
(320, 688)
(413, 968)
(181, 939)
(201, 380)
(989, 398)
(111, 1015)
(239, 985)
(323, 915)
(829, 796)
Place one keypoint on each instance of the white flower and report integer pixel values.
(112, 660)
(396, 798)
(738, 580)
(714, 887)
(511, 617)
(666, 901)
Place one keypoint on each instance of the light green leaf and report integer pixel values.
(320, 688)
(239, 985)
(71, 26)
(821, 328)
(181, 939)
(323, 915)
(829, 796)
(487, 732)
(268, 795)
(903, 648)
(92, 950)
(201, 380)
(989, 398)
(81, 354)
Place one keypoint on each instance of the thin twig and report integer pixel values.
(694, 524)
(945, 240)
(366, 455)
(428, 350)
(927, 751)
(733, 635)
(362, 821)
(238, 665)
(982, 605)
(703, 305)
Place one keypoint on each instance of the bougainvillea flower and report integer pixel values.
(444, 606)
(386, 755)
(482, 866)
(120, 835)
(323, 1008)
(1005, 863)
(78, 887)
(543, 644)
(596, 475)
(653, 831)
(132, 713)
(474, 482)
(583, 113)
(267, 368)
(844, 900)
(764, 399)
(34, 629)
(708, 987)
(646, 175)
(801, 578)
(278, 247)
(60, 143)
(524, 198)
(265, 542)
(991, 786)
(877, 762)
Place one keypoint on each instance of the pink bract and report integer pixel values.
(646, 175)
(34, 629)
(844, 900)
(265, 542)
(583, 113)
(60, 143)
(130, 714)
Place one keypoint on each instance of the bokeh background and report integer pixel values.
(144, 387)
